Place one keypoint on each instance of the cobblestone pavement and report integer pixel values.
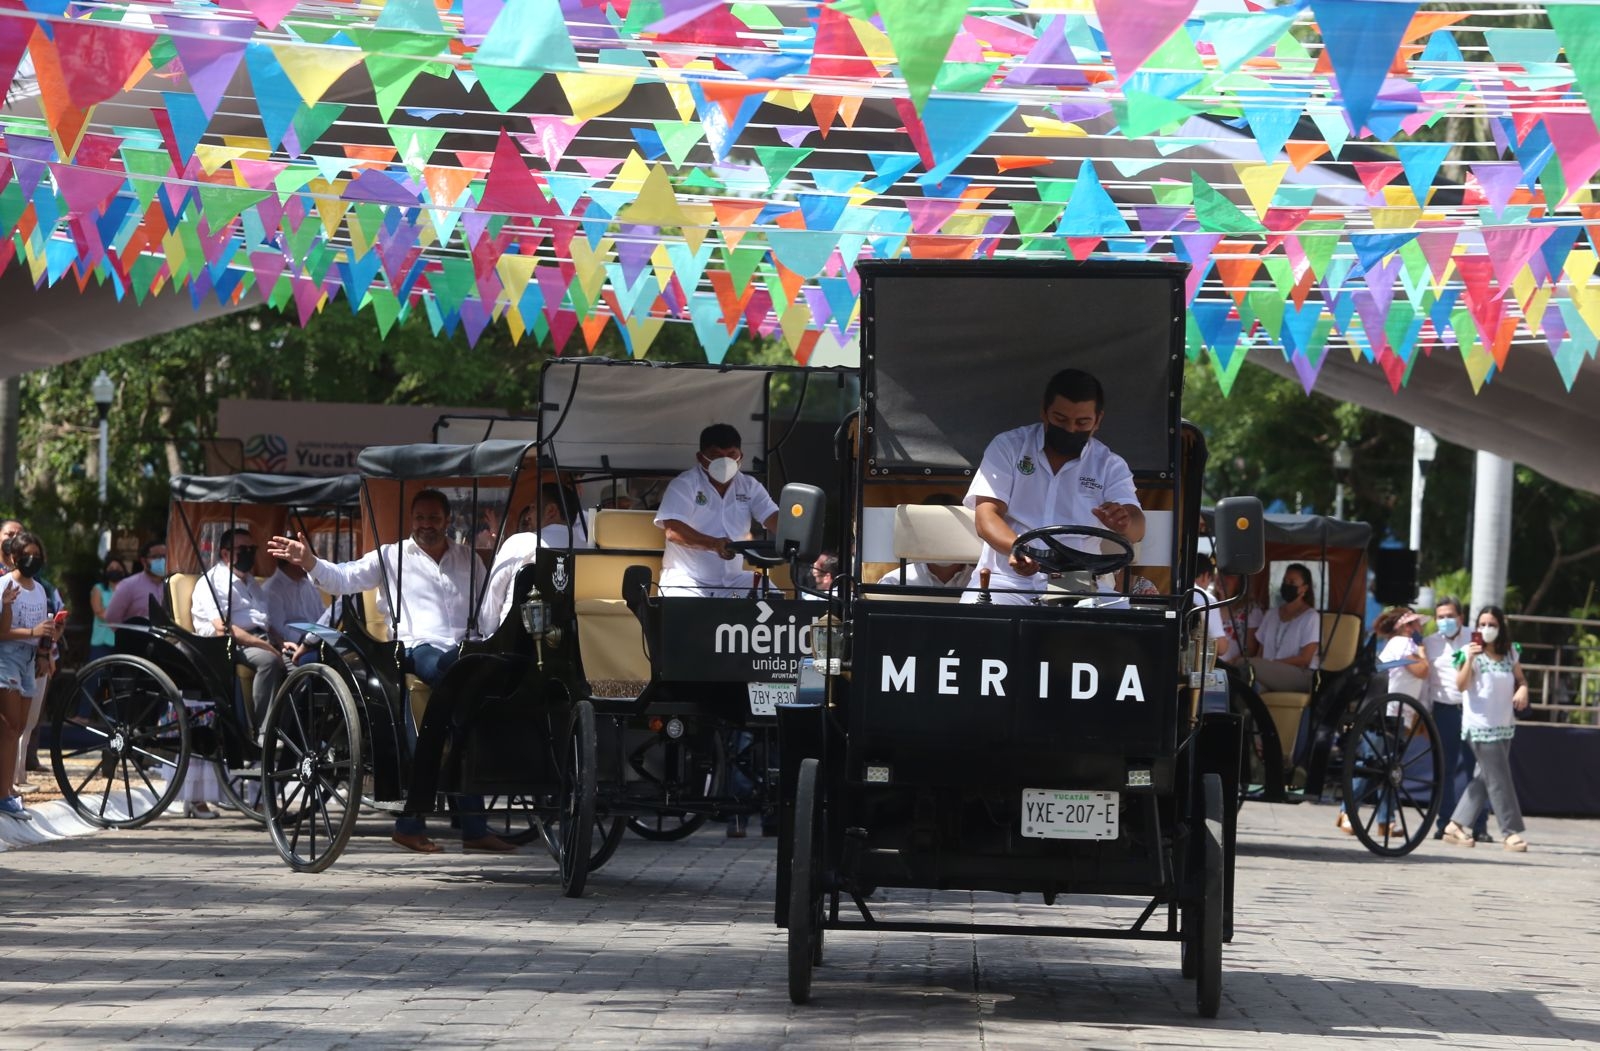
(192, 934)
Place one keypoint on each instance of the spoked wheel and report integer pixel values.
(610, 832)
(515, 820)
(1206, 950)
(1392, 774)
(689, 767)
(569, 835)
(240, 761)
(312, 767)
(120, 742)
(806, 916)
(1260, 765)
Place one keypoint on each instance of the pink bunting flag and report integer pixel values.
(510, 189)
(268, 12)
(1134, 31)
(551, 137)
(210, 50)
(1573, 134)
(1510, 247)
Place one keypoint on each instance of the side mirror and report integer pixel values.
(1239, 540)
(800, 510)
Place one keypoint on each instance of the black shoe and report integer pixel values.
(1483, 837)
(1438, 833)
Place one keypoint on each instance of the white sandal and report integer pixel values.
(1515, 843)
(1454, 833)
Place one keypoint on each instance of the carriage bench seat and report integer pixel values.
(610, 639)
(1341, 640)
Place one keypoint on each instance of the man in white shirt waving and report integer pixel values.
(228, 597)
(433, 577)
(1054, 472)
(703, 511)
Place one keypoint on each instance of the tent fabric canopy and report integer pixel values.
(278, 489)
(1309, 530)
(495, 458)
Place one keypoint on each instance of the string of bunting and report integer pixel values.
(1381, 178)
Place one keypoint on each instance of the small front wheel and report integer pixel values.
(1393, 775)
(311, 767)
(806, 916)
(1207, 947)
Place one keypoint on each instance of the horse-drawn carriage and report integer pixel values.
(123, 738)
(1056, 747)
(1348, 736)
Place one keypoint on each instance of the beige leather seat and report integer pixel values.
(931, 533)
(610, 639)
(377, 625)
(1341, 640)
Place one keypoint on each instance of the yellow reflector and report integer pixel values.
(1242, 523)
(795, 511)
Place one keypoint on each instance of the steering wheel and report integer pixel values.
(1056, 557)
(763, 553)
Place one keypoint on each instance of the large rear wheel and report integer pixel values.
(311, 767)
(240, 761)
(1393, 782)
(569, 835)
(120, 742)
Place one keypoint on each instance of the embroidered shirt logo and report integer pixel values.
(1089, 482)
(700, 498)
(1025, 465)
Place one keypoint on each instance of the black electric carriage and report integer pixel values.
(354, 728)
(684, 688)
(126, 734)
(1348, 739)
(1058, 748)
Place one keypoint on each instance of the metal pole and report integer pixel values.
(1417, 484)
(105, 433)
(1492, 530)
(1338, 500)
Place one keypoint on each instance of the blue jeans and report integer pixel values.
(429, 663)
(1457, 772)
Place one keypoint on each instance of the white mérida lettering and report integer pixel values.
(987, 677)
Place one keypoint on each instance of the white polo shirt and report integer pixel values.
(435, 596)
(1016, 472)
(694, 501)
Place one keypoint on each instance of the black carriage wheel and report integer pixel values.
(311, 767)
(120, 742)
(569, 835)
(241, 778)
(1259, 763)
(806, 917)
(703, 758)
(1207, 950)
(1392, 774)
(610, 832)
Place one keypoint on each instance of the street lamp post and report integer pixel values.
(1344, 458)
(1424, 447)
(104, 392)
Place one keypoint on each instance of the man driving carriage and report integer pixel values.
(1054, 472)
(704, 511)
(230, 596)
(434, 576)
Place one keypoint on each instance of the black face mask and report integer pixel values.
(244, 557)
(114, 577)
(1288, 592)
(1066, 443)
(30, 566)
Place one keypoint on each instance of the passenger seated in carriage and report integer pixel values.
(704, 511)
(558, 511)
(435, 575)
(230, 598)
(1054, 472)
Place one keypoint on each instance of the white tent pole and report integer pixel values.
(1491, 533)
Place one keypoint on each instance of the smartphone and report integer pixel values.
(1477, 637)
(61, 618)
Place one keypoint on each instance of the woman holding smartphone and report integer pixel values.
(25, 623)
(1493, 689)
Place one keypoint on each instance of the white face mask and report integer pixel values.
(1489, 633)
(723, 469)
